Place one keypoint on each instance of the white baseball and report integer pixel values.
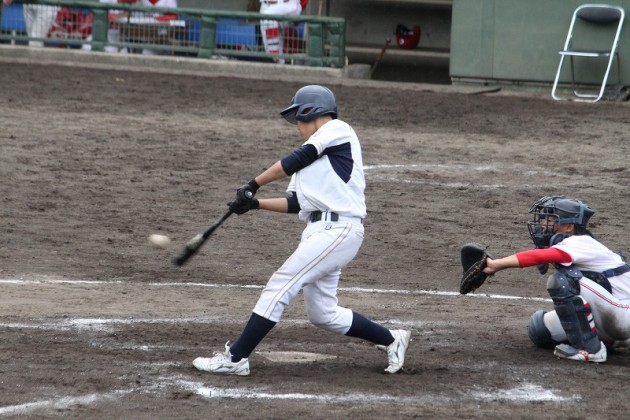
(160, 241)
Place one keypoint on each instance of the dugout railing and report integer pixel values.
(308, 40)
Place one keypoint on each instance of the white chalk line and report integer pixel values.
(248, 393)
(108, 325)
(527, 392)
(252, 286)
(467, 167)
(61, 403)
(456, 185)
(470, 184)
(509, 168)
(522, 393)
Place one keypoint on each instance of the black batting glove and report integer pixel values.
(237, 208)
(242, 208)
(247, 192)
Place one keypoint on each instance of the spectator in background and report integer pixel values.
(38, 19)
(272, 30)
(157, 16)
(113, 31)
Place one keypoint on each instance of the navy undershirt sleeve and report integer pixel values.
(299, 159)
(293, 203)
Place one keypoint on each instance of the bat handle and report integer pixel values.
(249, 194)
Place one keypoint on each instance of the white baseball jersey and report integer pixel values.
(588, 254)
(611, 312)
(158, 3)
(154, 3)
(334, 182)
(280, 7)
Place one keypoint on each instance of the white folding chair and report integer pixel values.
(589, 20)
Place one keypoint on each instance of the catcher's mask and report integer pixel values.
(550, 211)
(310, 102)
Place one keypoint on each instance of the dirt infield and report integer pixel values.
(95, 323)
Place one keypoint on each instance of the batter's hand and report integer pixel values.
(247, 192)
(237, 208)
(242, 208)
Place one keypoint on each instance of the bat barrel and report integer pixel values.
(197, 241)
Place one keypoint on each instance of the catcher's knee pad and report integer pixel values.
(564, 284)
(538, 331)
(574, 312)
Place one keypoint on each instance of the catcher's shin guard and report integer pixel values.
(574, 312)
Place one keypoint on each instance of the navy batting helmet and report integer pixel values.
(310, 102)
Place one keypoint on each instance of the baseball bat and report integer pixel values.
(195, 243)
(380, 55)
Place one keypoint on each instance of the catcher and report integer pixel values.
(590, 288)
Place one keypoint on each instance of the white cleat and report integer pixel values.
(566, 351)
(222, 363)
(396, 351)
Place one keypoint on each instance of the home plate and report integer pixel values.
(294, 356)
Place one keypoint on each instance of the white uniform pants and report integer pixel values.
(611, 316)
(315, 267)
(39, 19)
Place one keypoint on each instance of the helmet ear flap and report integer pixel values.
(588, 212)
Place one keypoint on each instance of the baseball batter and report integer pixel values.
(590, 288)
(326, 189)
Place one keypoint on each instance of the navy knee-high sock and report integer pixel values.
(369, 330)
(256, 329)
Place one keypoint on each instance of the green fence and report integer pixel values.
(308, 40)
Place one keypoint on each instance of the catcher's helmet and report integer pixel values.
(563, 210)
(570, 210)
(310, 102)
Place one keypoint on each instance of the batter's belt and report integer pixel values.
(329, 216)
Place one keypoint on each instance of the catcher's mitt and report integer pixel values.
(473, 262)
